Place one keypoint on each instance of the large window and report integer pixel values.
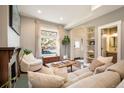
(48, 43)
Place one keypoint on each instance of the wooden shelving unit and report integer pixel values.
(90, 44)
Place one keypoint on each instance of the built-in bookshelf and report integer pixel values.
(90, 44)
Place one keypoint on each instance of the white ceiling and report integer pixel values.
(72, 14)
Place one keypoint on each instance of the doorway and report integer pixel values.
(109, 37)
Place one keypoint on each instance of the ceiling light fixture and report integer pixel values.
(39, 11)
(61, 18)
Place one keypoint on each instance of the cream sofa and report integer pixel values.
(71, 78)
(30, 63)
(106, 79)
(111, 78)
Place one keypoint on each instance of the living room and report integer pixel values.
(65, 46)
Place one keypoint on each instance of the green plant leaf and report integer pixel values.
(26, 51)
(66, 40)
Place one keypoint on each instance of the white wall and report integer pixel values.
(13, 38)
(8, 38)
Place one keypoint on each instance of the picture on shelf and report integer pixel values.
(92, 43)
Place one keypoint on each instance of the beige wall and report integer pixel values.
(62, 33)
(78, 34)
(4, 25)
(28, 33)
(108, 18)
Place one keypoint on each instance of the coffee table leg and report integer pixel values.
(71, 68)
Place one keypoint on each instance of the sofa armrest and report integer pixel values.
(24, 66)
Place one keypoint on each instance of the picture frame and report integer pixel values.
(14, 19)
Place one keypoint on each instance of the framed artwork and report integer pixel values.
(14, 18)
(48, 42)
(77, 44)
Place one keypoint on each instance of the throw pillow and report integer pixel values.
(95, 63)
(40, 80)
(102, 68)
(105, 59)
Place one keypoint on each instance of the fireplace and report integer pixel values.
(9, 58)
(13, 71)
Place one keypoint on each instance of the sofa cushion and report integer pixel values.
(40, 80)
(107, 79)
(118, 67)
(81, 71)
(102, 68)
(71, 76)
(105, 59)
(95, 63)
(61, 72)
(121, 85)
(82, 76)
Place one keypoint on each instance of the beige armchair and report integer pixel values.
(30, 63)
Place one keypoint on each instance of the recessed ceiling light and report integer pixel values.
(61, 18)
(94, 7)
(39, 11)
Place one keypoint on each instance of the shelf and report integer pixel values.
(91, 51)
(90, 58)
(91, 44)
(91, 40)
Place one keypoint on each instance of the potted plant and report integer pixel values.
(66, 42)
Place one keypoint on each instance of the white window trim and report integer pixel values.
(118, 24)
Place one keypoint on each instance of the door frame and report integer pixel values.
(118, 24)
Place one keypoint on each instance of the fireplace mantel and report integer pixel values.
(8, 55)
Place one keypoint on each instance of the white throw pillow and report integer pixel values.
(40, 80)
(105, 59)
